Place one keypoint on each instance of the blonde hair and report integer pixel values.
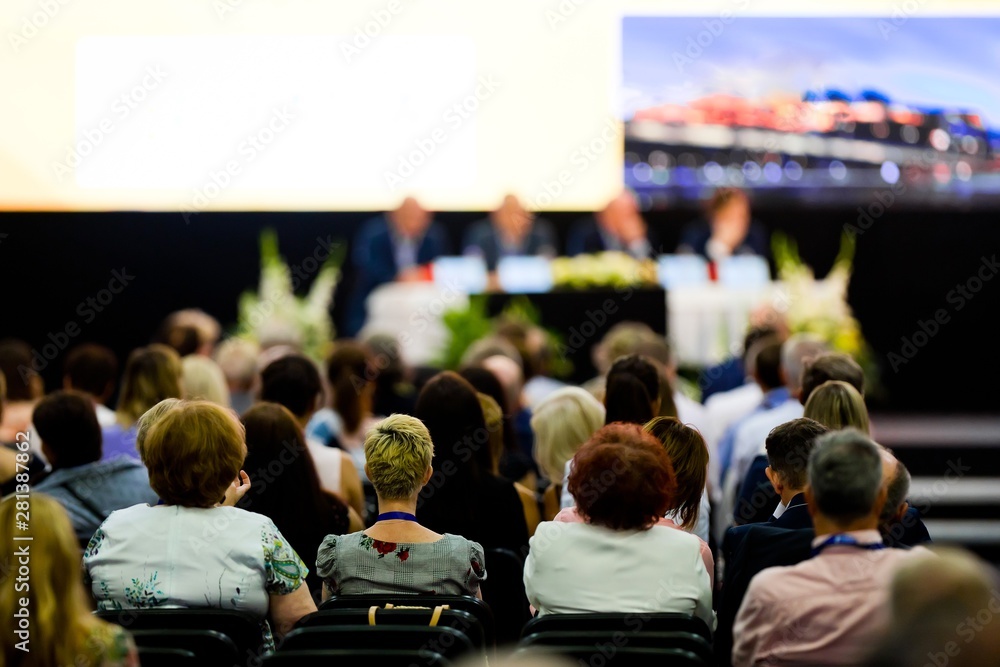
(62, 627)
(398, 452)
(203, 379)
(838, 405)
(193, 452)
(562, 422)
(152, 374)
(493, 416)
(148, 418)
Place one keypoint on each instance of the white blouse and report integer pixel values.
(581, 568)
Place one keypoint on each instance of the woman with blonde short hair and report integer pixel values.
(838, 405)
(397, 554)
(61, 629)
(193, 551)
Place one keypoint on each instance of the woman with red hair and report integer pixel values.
(619, 560)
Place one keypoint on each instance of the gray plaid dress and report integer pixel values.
(357, 564)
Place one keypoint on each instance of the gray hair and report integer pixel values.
(795, 352)
(845, 474)
(899, 488)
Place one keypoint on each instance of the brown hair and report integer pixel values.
(349, 371)
(152, 374)
(622, 479)
(689, 456)
(193, 453)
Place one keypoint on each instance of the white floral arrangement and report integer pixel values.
(603, 269)
(275, 315)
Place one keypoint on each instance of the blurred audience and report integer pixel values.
(88, 488)
(350, 371)
(394, 390)
(203, 379)
(62, 630)
(398, 554)
(93, 369)
(837, 404)
(237, 358)
(632, 391)
(189, 331)
(24, 388)
(494, 418)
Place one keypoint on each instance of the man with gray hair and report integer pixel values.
(827, 610)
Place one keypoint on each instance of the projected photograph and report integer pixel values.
(815, 109)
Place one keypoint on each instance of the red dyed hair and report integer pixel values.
(622, 478)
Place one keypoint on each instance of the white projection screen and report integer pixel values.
(304, 105)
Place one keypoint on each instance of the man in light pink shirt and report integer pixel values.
(827, 610)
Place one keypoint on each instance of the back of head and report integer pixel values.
(398, 453)
(202, 379)
(350, 371)
(152, 373)
(485, 381)
(388, 358)
(632, 388)
(23, 382)
(754, 334)
(511, 377)
(561, 423)
(845, 475)
(449, 408)
(898, 489)
(831, 366)
(91, 368)
(764, 361)
(67, 424)
(688, 454)
(148, 418)
(490, 346)
(189, 331)
(789, 446)
(193, 452)
(292, 381)
(795, 353)
(622, 339)
(838, 405)
(494, 418)
(60, 620)
(622, 478)
(237, 358)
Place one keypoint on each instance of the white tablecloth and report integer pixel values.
(706, 323)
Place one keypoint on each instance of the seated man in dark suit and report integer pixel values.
(619, 226)
(509, 231)
(391, 247)
(728, 230)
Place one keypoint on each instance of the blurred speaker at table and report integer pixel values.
(395, 246)
(727, 231)
(618, 226)
(509, 231)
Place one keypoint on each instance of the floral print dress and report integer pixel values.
(184, 557)
(358, 564)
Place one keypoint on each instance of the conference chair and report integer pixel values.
(457, 619)
(448, 642)
(368, 658)
(608, 640)
(503, 591)
(474, 606)
(619, 657)
(242, 628)
(167, 657)
(208, 646)
(622, 622)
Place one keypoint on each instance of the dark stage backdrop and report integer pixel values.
(908, 267)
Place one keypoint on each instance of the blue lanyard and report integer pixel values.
(405, 516)
(842, 540)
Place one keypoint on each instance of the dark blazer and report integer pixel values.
(796, 515)
(757, 498)
(482, 239)
(585, 238)
(373, 257)
(694, 239)
(761, 546)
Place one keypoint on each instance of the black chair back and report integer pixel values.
(479, 609)
(242, 628)
(167, 657)
(460, 620)
(368, 658)
(684, 641)
(625, 622)
(503, 591)
(448, 642)
(621, 657)
(209, 647)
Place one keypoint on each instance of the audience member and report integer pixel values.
(632, 393)
(285, 487)
(93, 369)
(509, 231)
(562, 423)
(689, 456)
(518, 466)
(394, 390)
(733, 372)
(728, 230)
(189, 331)
(202, 379)
(12, 457)
(828, 609)
(62, 630)
(831, 366)
(294, 382)
(237, 357)
(24, 388)
(618, 560)
(398, 554)
(465, 498)
(899, 523)
(191, 551)
(837, 405)
(350, 371)
(673, 401)
(618, 226)
(88, 488)
(152, 374)
(392, 246)
(494, 418)
(538, 357)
